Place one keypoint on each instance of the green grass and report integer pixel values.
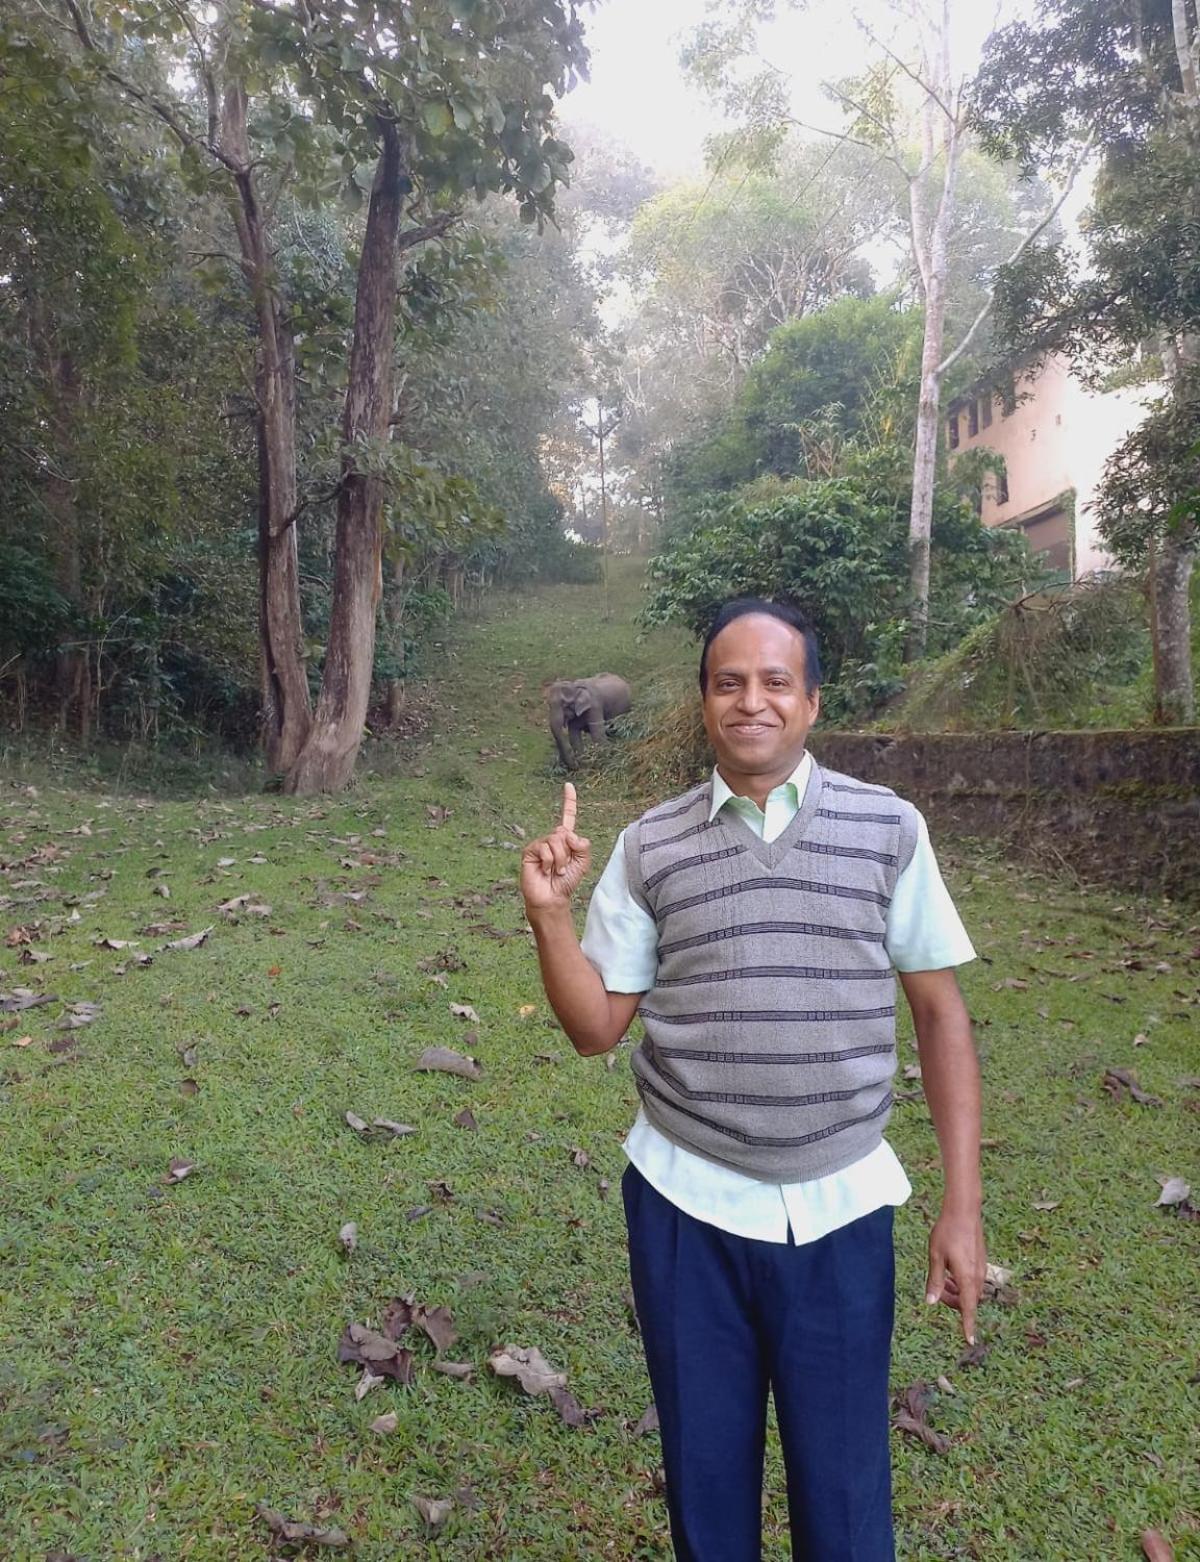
(169, 1352)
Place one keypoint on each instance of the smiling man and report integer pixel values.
(756, 924)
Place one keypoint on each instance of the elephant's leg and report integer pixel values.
(577, 741)
(565, 753)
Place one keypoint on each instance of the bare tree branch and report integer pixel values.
(912, 75)
(1081, 157)
(433, 229)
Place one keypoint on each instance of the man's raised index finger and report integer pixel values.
(569, 807)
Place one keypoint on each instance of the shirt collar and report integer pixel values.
(722, 794)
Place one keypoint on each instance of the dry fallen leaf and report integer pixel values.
(192, 941)
(465, 1119)
(445, 1060)
(348, 1237)
(380, 1355)
(366, 1383)
(434, 1510)
(580, 1158)
(648, 1422)
(180, 1169)
(464, 1011)
(358, 1124)
(297, 1530)
(910, 1414)
(437, 1324)
(569, 1408)
(385, 1423)
(22, 998)
(530, 1368)
(454, 1369)
(1117, 1081)
(527, 1010)
(387, 1126)
(1174, 1191)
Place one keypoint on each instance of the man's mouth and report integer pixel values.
(751, 729)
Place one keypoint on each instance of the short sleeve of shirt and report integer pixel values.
(620, 938)
(924, 931)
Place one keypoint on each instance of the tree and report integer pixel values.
(413, 109)
(1125, 78)
(910, 108)
(716, 268)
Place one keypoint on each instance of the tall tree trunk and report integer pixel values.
(287, 712)
(1172, 558)
(72, 684)
(326, 761)
(931, 253)
(397, 689)
(1170, 605)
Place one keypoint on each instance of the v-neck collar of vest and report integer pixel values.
(772, 853)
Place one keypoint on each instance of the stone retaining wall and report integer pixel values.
(1122, 807)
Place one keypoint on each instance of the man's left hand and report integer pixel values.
(957, 1266)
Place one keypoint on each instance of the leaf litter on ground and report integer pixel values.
(910, 1414)
(299, 1531)
(444, 1060)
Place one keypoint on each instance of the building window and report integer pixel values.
(1002, 488)
(952, 430)
(985, 402)
(972, 418)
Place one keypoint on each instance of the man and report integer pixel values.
(755, 922)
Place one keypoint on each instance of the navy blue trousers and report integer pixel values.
(724, 1321)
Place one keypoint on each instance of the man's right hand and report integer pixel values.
(553, 868)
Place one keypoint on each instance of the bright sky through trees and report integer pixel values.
(638, 94)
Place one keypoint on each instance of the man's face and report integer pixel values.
(757, 710)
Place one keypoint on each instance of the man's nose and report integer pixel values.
(752, 697)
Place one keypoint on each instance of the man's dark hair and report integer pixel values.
(787, 613)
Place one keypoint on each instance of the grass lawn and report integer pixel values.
(168, 1351)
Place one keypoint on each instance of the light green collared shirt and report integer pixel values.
(783, 803)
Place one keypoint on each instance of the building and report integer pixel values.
(1055, 437)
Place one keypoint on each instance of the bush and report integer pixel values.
(838, 547)
(1075, 657)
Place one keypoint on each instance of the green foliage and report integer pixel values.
(34, 614)
(128, 466)
(1099, 69)
(1152, 481)
(1075, 657)
(838, 547)
(831, 368)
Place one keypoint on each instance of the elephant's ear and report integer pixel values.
(584, 701)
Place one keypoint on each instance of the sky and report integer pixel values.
(638, 94)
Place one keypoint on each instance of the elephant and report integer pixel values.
(584, 704)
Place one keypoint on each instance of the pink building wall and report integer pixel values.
(1055, 442)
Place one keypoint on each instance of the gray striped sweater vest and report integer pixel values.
(770, 1039)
